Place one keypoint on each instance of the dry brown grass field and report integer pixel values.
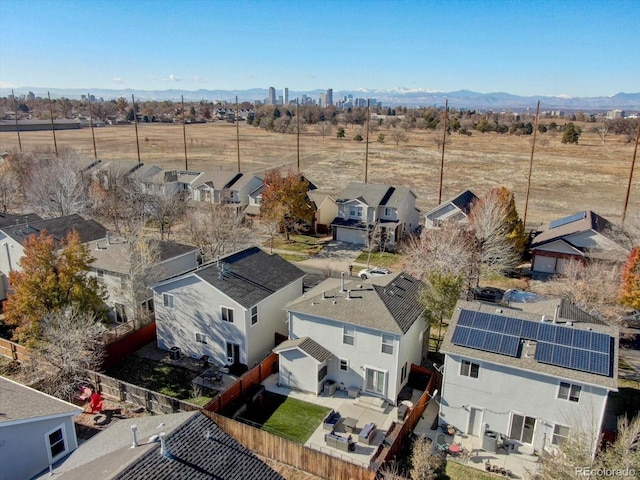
(566, 178)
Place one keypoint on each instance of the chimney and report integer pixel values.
(134, 430)
(163, 445)
(341, 282)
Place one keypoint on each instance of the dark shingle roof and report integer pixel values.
(308, 346)
(250, 275)
(89, 230)
(9, 219)
(199, 449)
(465, 200)
(374, 194)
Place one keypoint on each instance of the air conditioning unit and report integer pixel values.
(174, 353)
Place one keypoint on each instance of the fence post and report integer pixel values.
(121, 391)
(14, 351)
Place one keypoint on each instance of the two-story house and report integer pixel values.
(581, 236)
(362, 335)
(533, 379)
(363, 205)
(123, 270)
(229, 310)
(12, 237)
(457, 209)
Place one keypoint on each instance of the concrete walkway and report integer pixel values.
(335, 256)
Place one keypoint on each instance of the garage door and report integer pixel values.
(544, 264)
(350, 236)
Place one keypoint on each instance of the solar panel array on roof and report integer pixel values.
(556, 345)
(570, 219)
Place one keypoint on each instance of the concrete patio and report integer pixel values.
(518, 463)
(364, 409)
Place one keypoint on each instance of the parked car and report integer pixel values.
(373, 272)
(488, 294)
(631, 321)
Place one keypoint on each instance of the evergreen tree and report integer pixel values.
(571, 133)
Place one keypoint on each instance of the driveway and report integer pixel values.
(334, 257)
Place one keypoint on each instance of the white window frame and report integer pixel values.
(168, 301)
(387, 344)
(378, 377)
(388, 212)
(522, 428)
(201, 338)
(64, 441)
(355, 211)
(556, 437)
(466, 369)
(254, 314)
(571, 392)
(343, 365)
(404, 372)
(348, 332)
(229, 310)
(230, 348)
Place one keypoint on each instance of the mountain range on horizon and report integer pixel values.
(387, 97)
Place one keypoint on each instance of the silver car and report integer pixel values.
(373, 272)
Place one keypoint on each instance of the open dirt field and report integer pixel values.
(566, 178)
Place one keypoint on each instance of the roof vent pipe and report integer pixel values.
(134, 430)
(341, 282)
(324, 295)
(544, 318)
(555, 315)
(348, 294)
(108, 241)
(163, 445)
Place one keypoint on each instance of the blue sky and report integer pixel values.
(562, 47)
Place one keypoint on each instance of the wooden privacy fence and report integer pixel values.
(127, 344)
(235, 391)
(13, 351)
(153, 401)
(291, 453)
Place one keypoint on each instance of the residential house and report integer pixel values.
(581, 236)
(457, 209)
(326, 210)
(363, 205)
(179, 445)
(117, 270)
(36, 430)
(534, 379)
(362, 335)
(212, 186)
(229, 310)
(12, 237)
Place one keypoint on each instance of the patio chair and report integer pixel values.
(442, 447)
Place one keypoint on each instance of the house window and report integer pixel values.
(522, 428)
(227, 314)
(56, 443)
(355, 211)
(348, 335)
(201, 338)
(376, 381)
(167, 300)
(322, 373)
(469, 369)
(387, 344)
(233, 353)
(344, 365)
(121, 314)
(254, 315)
(560, 434)
(388, 212)
(568, 391)
(147, 306)
(403, 372)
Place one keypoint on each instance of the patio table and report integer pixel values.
(349, 424)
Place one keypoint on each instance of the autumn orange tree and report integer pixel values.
(630, 286)
(53, 277)
(285, 200)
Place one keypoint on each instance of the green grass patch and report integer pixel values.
(291, 257)
(295, 420)
(157, 376)
(623, 364)
(456, 471)
(380, 259)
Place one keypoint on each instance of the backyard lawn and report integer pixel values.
(295, 420)
(159, 377)
(380, 259)
(300, 244)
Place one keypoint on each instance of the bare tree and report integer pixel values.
(324, 128)
(166, 207)
(217, 229)
(57, 188)
(373, 240)
(70, 346)
(602, 131)
(425, 465)
(398, 136)
(9, 188)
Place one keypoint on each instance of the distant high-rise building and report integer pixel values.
(272, 96)
(285, 96)
(322, 100)
(329, 98)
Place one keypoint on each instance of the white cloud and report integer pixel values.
(6, 85)
(117, 80)
(198, 78)
(173, 78)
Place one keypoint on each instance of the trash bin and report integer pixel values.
(490, 441)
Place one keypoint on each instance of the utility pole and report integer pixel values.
(135, 122)
(444, 142)
(15, 116)
(53, 130)
(184, 136)
(633, 164)
(298, 130)
(93, 135)
(238, 132)
(366, 152)
(533, 146)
